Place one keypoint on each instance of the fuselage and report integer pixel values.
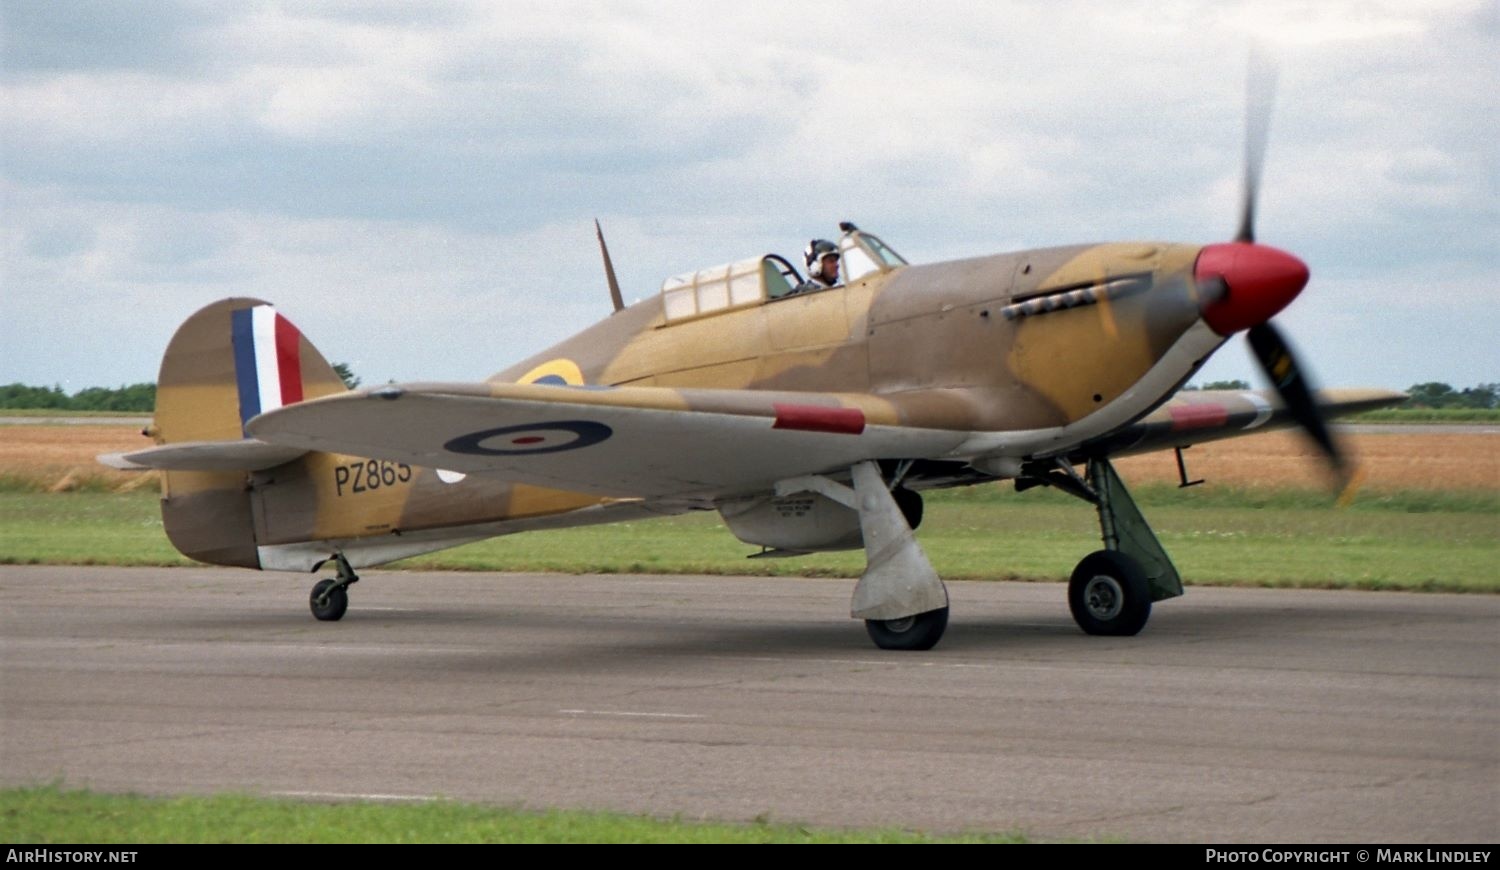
(1029, 354)
(1024, 341)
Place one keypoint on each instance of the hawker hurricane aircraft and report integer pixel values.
(810, 419)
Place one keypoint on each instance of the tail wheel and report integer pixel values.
(1109, 594)
(919, 632)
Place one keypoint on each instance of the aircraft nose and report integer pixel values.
(1258, 281)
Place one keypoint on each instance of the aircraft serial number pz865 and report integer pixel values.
(369, 475)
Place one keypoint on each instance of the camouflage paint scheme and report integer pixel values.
(986, 364)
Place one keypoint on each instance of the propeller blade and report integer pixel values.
(1240, 285)
(1260, 99)
(1276, 359)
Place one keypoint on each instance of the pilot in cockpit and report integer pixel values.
(822, 258)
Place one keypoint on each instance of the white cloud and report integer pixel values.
(414, 185)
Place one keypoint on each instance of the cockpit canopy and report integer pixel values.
(758, 280)
(864, 254)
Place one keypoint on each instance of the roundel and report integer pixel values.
(531, 438)
(563, 372)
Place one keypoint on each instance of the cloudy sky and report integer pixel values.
(414, 184)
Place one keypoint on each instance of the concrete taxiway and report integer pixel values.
(1238, 715)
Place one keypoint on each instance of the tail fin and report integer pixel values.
(230, 361)
(227, 363)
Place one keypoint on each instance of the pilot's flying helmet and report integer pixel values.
(817, 249)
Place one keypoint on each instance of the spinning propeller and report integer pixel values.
(1243, 284)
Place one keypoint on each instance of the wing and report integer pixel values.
(650, 442)
(1193, 417)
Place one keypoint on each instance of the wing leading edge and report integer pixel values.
(649, 442)
(1195, 417)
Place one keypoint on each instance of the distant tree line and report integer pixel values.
(136, 398)
(1433, 394)
(1440, 395)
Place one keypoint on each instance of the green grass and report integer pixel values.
(1445, 541)
(1428, 415)
(84, 528)
(52, 815)
(1039, 536)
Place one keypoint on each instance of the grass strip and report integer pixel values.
(49, 814)
(1427, 415)
(1416, 541)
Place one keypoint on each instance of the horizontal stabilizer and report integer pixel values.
(246, 455)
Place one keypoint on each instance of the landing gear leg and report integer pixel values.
(899, 596)
(1125, 530)
(330, 597)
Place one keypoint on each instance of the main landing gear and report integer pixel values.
(1112, 590)
(899, 596)
(905, 605)
(330, 597)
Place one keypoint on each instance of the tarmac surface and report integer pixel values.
(1237, 715)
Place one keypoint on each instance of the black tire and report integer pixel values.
(919, 632)
(332, 607)
(1109, 594)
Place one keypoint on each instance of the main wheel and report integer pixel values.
(919, 632)
(1109, 594)
(328, 601)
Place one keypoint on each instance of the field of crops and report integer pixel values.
(46, 456)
